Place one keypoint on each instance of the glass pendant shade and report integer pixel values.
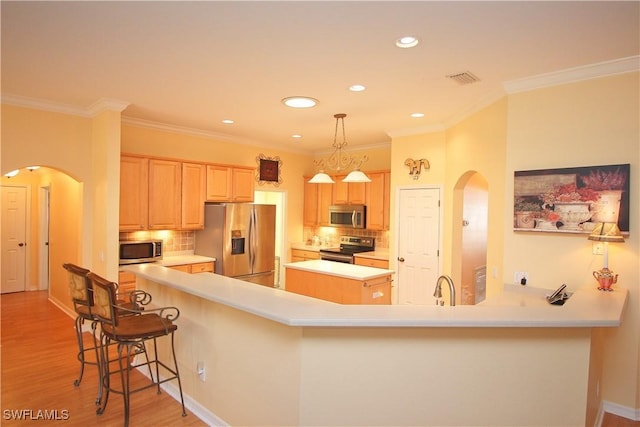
(321, 178)
(356, 175)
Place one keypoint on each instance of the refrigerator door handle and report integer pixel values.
(253, 232)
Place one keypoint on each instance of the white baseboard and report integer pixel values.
(191, 404)
(621, 411)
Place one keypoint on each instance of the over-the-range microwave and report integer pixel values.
(351, 216)
(137, 251)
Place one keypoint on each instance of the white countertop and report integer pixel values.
(314, 248)
(587, 307)
(171, 260)
(381, 254)
(340, 269)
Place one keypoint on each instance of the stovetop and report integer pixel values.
(350, 245)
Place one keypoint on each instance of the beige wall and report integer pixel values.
(593, 122)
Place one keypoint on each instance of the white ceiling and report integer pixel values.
(192, 64)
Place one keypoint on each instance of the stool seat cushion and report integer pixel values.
(139, 327)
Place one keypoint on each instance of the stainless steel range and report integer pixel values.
(349, 245)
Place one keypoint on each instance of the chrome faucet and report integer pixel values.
(438, 291)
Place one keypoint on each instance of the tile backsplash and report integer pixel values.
(331, 235)
(173, 241)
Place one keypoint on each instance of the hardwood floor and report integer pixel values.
(39, 366)
(610, 420)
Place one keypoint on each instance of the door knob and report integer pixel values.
(400, 259)
(21, 244)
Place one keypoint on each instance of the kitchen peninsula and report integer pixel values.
(296, 360)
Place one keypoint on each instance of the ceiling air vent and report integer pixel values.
(463, 78)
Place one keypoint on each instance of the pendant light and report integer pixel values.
(340, 160)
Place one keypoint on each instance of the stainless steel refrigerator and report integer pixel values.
(241, 236)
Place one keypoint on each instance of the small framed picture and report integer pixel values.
(269, 170)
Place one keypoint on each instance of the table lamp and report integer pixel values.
(606, 232)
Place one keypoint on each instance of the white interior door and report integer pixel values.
(14, 242)
(418, 244)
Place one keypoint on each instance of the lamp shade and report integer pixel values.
(356, 175)
(606, 232)
(321, 178)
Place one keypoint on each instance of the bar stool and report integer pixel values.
(130, 332)
(80, 290)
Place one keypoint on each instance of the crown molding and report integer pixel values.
(183, 130)
(430, 128)
(40, 104)
(571, 75)
(354, 148)
(107, 104)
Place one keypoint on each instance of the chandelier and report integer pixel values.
(340, 160)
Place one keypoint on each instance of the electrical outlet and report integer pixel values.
(597, 248)
(202, 373)
(520, 277)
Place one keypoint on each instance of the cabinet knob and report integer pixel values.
(400, 259)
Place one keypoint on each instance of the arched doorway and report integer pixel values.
(53, 220)
(469, 261)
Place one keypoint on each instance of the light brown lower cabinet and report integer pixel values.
(339, 289)
(199, 267)
(371, 262)
(298, 255)
(126, 284)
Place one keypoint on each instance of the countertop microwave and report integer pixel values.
(138, 251)
(351, 216)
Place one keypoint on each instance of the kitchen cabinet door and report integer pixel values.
(165, 190)
(134, 193)
(340, 195)
(194, 181)
(377, 201)
(348, 193)
(324, 201)
(310, 209)
(218, 183)
(242, 184)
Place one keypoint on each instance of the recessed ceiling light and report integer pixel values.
(417, 115)
(296, 136)
(300, 102)
(357, 88)
(407, 41)
(228, 122)
(12, 173)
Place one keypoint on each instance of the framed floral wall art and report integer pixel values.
(571, 200)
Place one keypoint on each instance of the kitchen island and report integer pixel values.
(295, 360)
(339, 282)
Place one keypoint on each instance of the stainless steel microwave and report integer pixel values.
(350, 216)
(136, 251)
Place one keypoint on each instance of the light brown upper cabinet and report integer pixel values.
(378, 200)
(134, 193)
(165, 194)
(348, 193)
(194, 181)
(229, 184)
(243, 184)
(317, 199)
(310, 210)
